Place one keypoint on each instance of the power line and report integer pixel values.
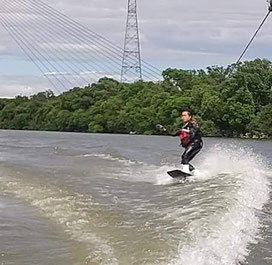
(114, 49)
(67, 33)
(26, 30)
(16, 37)
(33, 48)
(67, 26)
(51, 36)
(61, 26)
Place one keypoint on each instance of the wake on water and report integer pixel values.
(232, 231)
(217, 238)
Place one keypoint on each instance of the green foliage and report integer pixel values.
(208, 128)
(262, 123)
(225, 104)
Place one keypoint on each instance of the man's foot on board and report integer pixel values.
(185, 169)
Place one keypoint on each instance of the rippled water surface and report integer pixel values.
(73, 199)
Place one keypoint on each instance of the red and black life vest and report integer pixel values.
(184, 137)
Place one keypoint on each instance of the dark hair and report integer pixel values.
(188, 110)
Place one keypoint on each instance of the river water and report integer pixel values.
(72, 199)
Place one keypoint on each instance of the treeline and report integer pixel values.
(225, 104)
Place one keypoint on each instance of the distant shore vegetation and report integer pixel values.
(237, 104)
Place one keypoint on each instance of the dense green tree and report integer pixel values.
(182, 79)
(226, 103)
(257, 77)
(262, 123)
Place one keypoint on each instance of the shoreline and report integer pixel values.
(245, 137)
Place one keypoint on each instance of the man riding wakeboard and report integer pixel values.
(190, 137)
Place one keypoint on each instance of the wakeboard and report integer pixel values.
(178, 174)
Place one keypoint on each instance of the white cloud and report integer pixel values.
(14, 85)
(185, 34)
(55, 73)
(2, 48)
(11, 86)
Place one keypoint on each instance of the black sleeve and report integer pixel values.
(194, 129)
(176, 133)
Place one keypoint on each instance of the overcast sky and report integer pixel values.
(184, 34)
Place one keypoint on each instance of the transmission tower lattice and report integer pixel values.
(131, 64)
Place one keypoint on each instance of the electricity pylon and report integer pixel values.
(131, 64)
